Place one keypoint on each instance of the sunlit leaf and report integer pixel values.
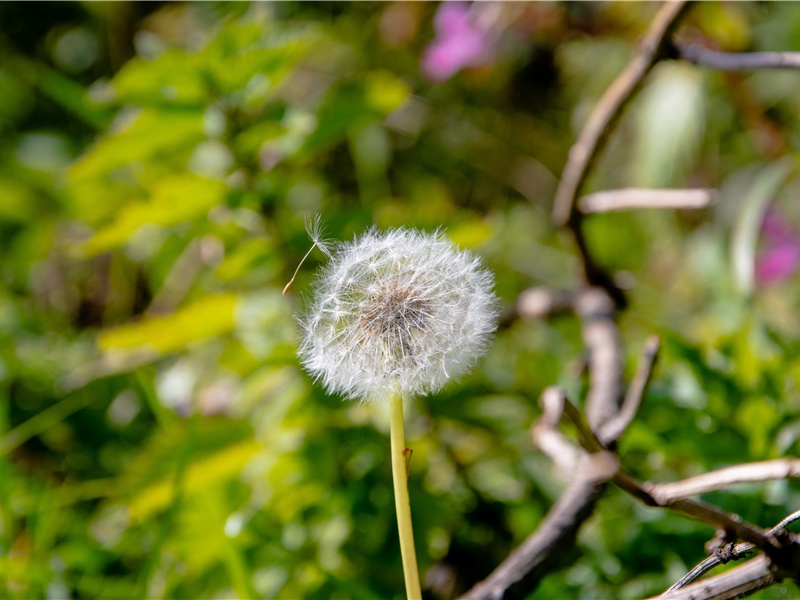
(150, 134)
(174, 78)
(173, 200)
(206, 318)
(223, 465)
(748, 224)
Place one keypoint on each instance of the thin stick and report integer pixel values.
(401, 502)
(735, 553)
(738, 61)
(638, 199)
(586, 149)
(779, 468)
(613, 429)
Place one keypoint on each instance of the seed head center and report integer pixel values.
(393, 312)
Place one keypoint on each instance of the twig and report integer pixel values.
(519, 574)
(753, 575)
(737, 61)
(701, 511)
(601, 338)
(637, 199)
(541, 302)
(593, 136)
(548, 438)
(782, 468)
(596, 310)
(736, 552)
(612, 430)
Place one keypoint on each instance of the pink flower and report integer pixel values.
(781, 256)
(460, 42)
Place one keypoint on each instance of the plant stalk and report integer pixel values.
(401, 502)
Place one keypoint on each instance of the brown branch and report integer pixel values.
(782, 468)
(596, 311)
(601, 338)
(612, 430)
(548, 438)
(637, 199)
(542, 302)
(734, 553)
(701, 511)
(753, 575)
(520, 573)
(593, 136)
(737, 61)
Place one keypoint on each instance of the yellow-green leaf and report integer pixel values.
(206, 318)
(172, 200)
(223, 465)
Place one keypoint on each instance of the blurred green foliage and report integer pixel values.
(157, 438)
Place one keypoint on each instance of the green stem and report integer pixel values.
(401, 501)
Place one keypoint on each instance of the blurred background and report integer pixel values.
(157, 161)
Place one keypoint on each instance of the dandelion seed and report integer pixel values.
(315, 231)
(397, 312)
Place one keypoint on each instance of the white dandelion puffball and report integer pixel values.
(399, 311)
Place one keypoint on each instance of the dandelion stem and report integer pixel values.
(401, 501)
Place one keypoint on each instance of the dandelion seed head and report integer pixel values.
(399, 311)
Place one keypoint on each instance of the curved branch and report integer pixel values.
(596, 311)
(593, 136)
(781, 468)
(519, 574)
(613, 429)
(753, 575)
(733, 553)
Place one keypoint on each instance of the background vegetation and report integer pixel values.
(157, 438)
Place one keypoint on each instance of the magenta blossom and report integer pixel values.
(780, 258)
(460, 42)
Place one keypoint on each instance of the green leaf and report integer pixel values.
(173, 200)
(671, 122)
(748, 224)
(174, 78)
(249, 62)
(206, 318)
(223, 465)
(350, 107)
(150, 135)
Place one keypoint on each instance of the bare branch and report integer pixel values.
(636, 199)
(753, 575)
(736, 552)
(592, 138)
(596, 310)
(701, 511)
(520, 573)
(541, 302)
(601, 338)
(737, 61)
(612, 430)
(782, 468)
(548, 438)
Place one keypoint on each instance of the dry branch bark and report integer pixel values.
(737, 61)
(593, 136)
(519, 574)
(638, 199)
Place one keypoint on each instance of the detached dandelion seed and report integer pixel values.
(395, 314)
(316, 232)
